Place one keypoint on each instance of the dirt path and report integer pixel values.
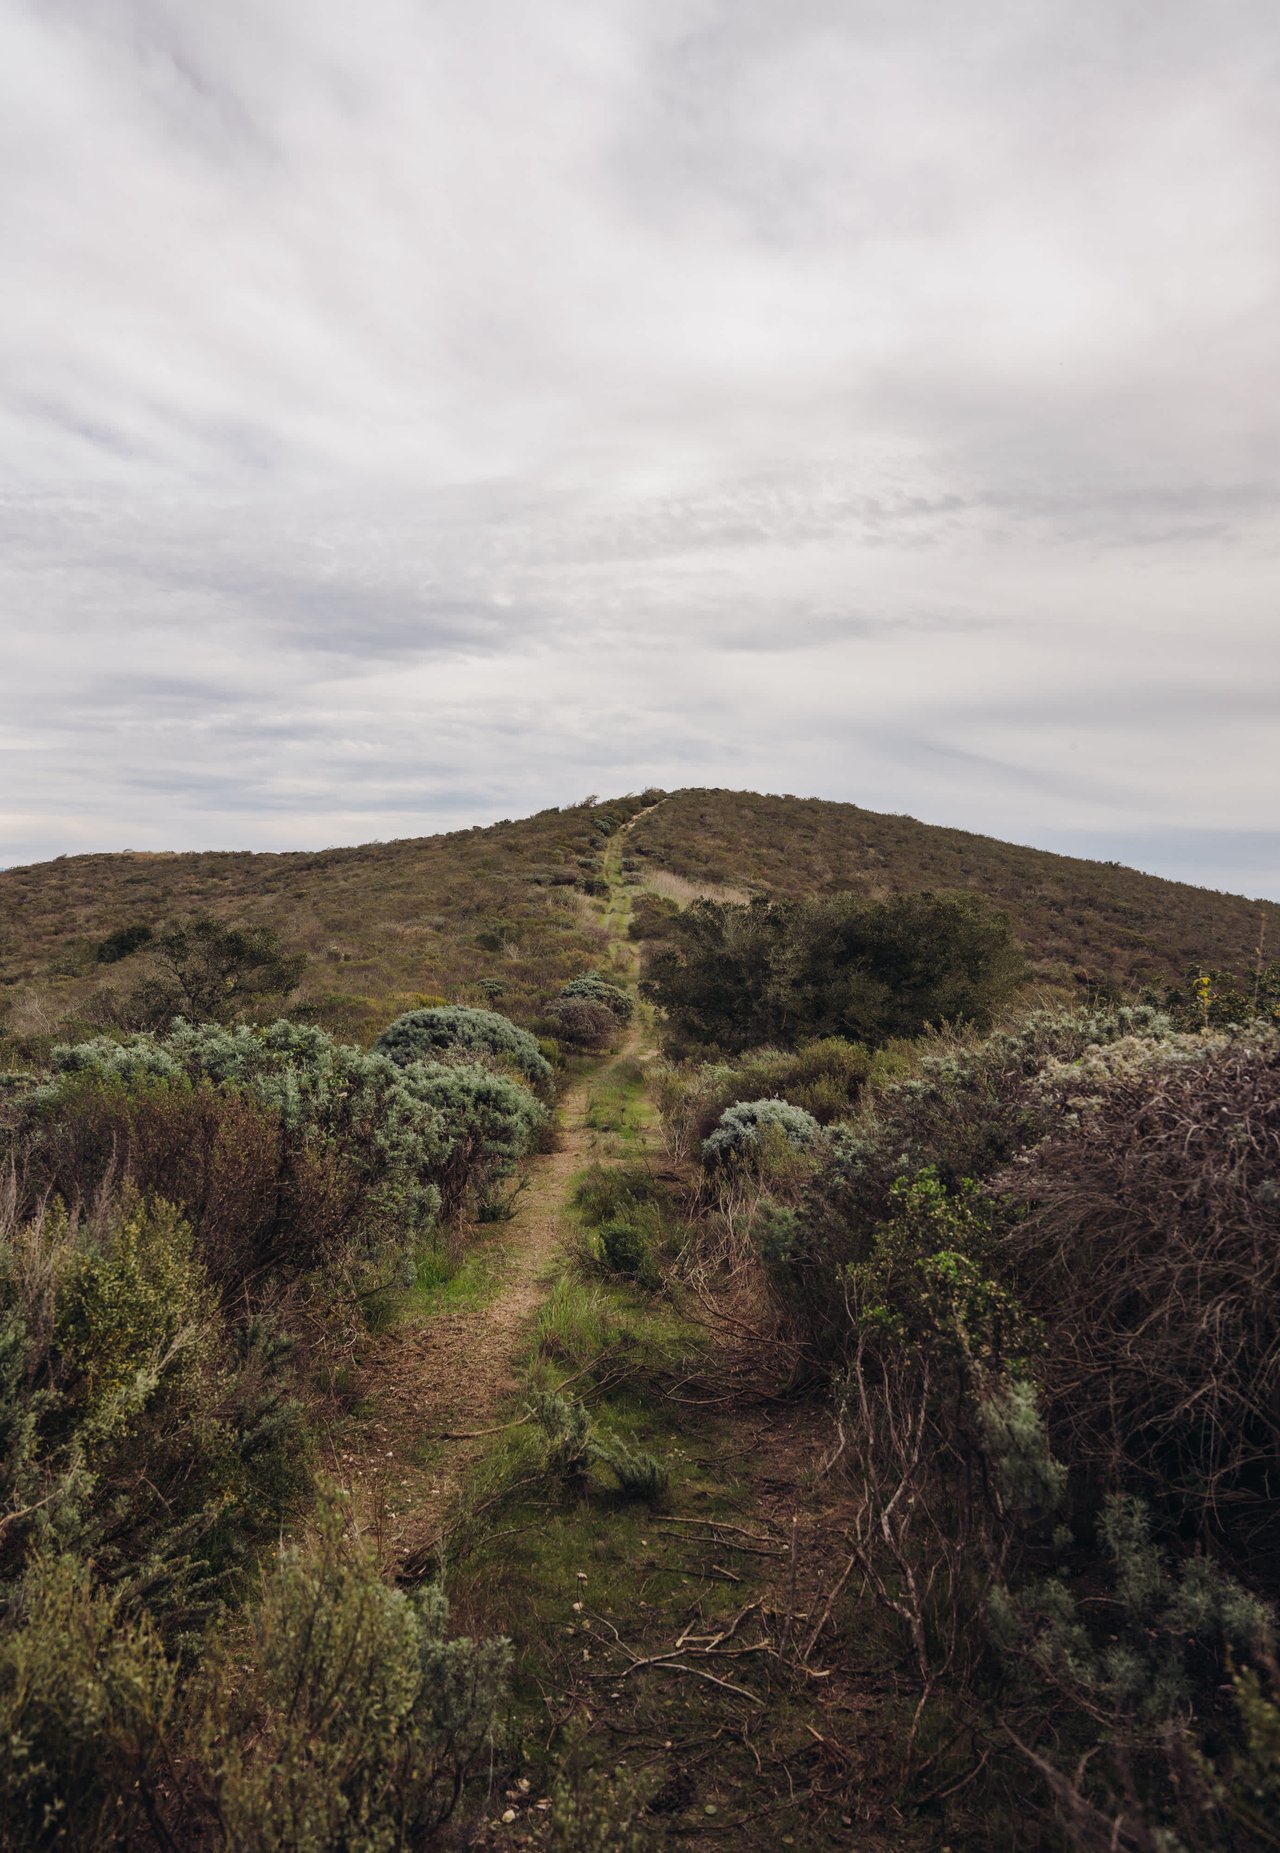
(464, 1363)
(449, 1373)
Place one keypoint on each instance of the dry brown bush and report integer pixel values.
(1151, 1248)
(582, 1022)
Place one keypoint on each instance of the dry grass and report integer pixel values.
(383, 925)
(1081, 922)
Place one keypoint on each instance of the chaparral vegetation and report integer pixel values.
(691, 1320)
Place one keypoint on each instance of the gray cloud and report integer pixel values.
(410, 415)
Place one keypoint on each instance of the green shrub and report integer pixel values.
(582, 1022)
(86, 1697)
(651, 917)
(492, 1122)
(572, 1447)
(608, 1191)
(139, 1426)
(628, 1210)
(425, 1035)
(597, 1810)
(286, 1149)
(740, 977)
(340, 1714)
(361, 1719)
(597, 990)
(742, 1127)
(627, 1249)
(1058, 1416)
(965, 1113)
(213, 972)
(121, 943)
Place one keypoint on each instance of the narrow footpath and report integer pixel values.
(443, 1379)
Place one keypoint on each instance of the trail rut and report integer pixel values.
(451, 1373)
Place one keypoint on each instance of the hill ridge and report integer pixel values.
(502, 910)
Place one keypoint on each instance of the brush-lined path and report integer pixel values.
(466, 1363)
(441, 1378)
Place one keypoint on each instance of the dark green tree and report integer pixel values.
(739, 977)
(212, 972)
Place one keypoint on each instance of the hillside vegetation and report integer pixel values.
(808, 1395)
(1081, 923)
(504, 912)
(499, 913)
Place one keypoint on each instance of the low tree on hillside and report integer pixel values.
(212, 972)
(738, 977)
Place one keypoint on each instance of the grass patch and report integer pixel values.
(446, 1281)
(619, 1105)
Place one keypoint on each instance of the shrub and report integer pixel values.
(361, 1719)
(492, 1121)
(572, 1447)
(141, 1429)
(628, 1211)
(964, 1114)
(213, 972)
(1208, 998)
(1146, 1235)
(741, 1128)
(739, 977)
(1058, 1413)
(826, 1078)
(85, 1695)
(425, 1035)
(582, 1022)
(340, 1715)
(651, 917)
(598, 990)
(627, 1249)
(284, 1147)
(121, 943)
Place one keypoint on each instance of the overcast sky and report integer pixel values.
(416, 412)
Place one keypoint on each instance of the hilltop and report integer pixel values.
(505, 911)
(1081, 922)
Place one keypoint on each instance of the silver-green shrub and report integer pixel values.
(598, 990)
(491, 1120)
(742, 1127)
(448, 1029)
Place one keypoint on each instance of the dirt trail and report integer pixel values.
(465, 1362)
(451, 1373)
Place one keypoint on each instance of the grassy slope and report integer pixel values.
(1081, 922)
(388, 922)
(382, 924)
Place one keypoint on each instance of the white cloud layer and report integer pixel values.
(420, 412)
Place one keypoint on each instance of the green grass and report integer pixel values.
(618, 1104)
(447, 1282)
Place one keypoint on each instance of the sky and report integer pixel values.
(421, 412)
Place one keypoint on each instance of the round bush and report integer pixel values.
(741, 1126)
(492, 1121)
(425, 1035)
(598, 990)
(582, 1022)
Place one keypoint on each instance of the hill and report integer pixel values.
(505, 911)
(382, 925)
(1082, 923)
